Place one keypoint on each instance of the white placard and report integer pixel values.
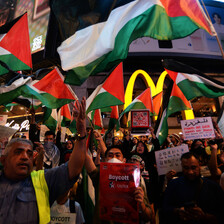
(168, 159)
(63, 218)
(197, 128)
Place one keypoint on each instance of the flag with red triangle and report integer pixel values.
(50, 90)
(177, 102)
(157, 100)
(143, 101)
(15, 45)
(65, 114)
(97, 119)
(110, 93)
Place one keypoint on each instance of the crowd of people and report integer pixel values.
(38, 182)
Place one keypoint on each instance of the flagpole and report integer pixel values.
(219, 43)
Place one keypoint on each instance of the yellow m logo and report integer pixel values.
(149, 83)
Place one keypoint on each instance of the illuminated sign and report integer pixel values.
(24, 126)
(188, 114)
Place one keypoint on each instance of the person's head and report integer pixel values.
(115, 140)
(17, 159)
(69, 145)
(137, 159)
(216, 17)
(135, 141)
(175, 139)
(49, 136)
(189, 143)
(114, 152)
(190, 166)
(196, 144)
(141, 147)
(144, 138)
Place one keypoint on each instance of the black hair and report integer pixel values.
(145, 148)
(194, 143)
(114, 147)
(187, 155)
(215, 13)
(49, 133)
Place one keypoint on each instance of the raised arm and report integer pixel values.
(77, 158)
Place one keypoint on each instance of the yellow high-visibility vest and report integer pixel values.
(42, 196)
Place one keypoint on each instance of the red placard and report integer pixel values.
(140, 118)
(118, 182)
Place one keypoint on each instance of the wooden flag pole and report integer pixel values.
(219, 43)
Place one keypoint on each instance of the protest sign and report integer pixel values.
(140, 121)
(63, 218)
(197, 128)
(168, 159)
(118, 182)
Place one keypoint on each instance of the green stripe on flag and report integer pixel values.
(161, 27)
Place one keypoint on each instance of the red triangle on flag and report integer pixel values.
(146, 99)
(178, 93)
(97, 119)
(157, 101)
(17, 41)
(114, 113)
(53, 83)
(65, 112)
(115, 83)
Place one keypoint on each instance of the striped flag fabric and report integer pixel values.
(157, 100)
(193, 83)
(143, 101)
(50, 119)
(109, 93)
(177, 102)
(50, 90)
(14, 90)
(97, 119)
(15, 45)
(65, 115)
(103, 30)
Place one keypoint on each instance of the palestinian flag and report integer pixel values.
(157, 100)
(102, 31)
(143, 101)
(65, 115)
(15, 45)
(50, 90)
(177, 102)
(50, 119)
(97, 119)
(9, 93)
(192, 82)
(114, 116)
(88, 196)
(110, 93)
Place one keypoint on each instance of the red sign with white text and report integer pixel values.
(118, 182)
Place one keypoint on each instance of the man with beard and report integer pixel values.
(191, 199)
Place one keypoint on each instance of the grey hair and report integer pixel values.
(14, 141)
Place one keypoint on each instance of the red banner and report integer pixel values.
(118, 182)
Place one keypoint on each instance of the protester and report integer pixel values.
(69, 145)
(26, 195)
(65, 204)
(191, 199)
(115, 153)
